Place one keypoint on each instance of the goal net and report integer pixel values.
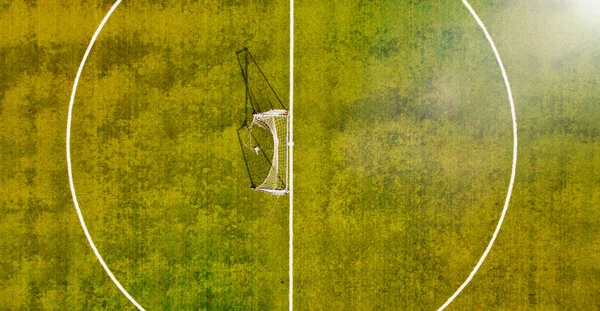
(264, 133)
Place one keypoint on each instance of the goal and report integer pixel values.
(263, 135)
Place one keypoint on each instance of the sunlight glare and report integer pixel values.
(591, 6)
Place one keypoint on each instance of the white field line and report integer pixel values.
(514, 162)
(70, 169)
(291, 162)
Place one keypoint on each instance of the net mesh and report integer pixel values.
(265, 150)
(263, 136)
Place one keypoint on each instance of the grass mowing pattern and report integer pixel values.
(402, 158)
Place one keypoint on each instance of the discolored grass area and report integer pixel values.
(403, 153)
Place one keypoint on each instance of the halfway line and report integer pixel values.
(291, 161)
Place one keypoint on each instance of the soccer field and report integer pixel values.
(402, 157)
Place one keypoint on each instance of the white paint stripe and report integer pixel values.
(291, 161)
(514, 162)
(70, 169)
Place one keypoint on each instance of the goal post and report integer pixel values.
(263, 136)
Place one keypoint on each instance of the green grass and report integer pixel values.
(403, 153)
